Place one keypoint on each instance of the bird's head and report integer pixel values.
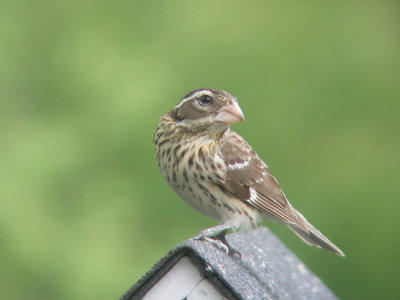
(207, 109)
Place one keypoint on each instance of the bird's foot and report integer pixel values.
(216, 236)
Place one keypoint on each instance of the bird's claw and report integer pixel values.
(216, 237)
(217, 243)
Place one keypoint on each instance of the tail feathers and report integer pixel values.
(310, 235)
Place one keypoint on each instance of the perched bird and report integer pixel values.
(216, 172)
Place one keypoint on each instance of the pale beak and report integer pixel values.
(230, 113)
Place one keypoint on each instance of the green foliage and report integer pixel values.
(84, 211)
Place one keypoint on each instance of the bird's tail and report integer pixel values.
(312, 236)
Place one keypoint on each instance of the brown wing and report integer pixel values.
(249, 178)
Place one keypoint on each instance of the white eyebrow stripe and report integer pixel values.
(195, 95)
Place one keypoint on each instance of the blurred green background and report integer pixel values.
(84, 211)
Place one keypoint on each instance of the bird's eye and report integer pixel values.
(205, 100)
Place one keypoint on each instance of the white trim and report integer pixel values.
(253, 195)
(260, 180)
(239, 165)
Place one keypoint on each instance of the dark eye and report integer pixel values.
(205, 100)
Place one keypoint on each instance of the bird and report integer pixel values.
(216, 172)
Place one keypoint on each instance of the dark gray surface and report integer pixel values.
(267, 269)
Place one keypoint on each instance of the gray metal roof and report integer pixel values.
(266, 270)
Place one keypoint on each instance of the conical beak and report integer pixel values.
(230, 113)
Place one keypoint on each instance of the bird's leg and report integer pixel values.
(217, 236)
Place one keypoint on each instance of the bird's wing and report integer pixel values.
(249, 178)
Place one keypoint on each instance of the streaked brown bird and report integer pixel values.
(216, 172)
